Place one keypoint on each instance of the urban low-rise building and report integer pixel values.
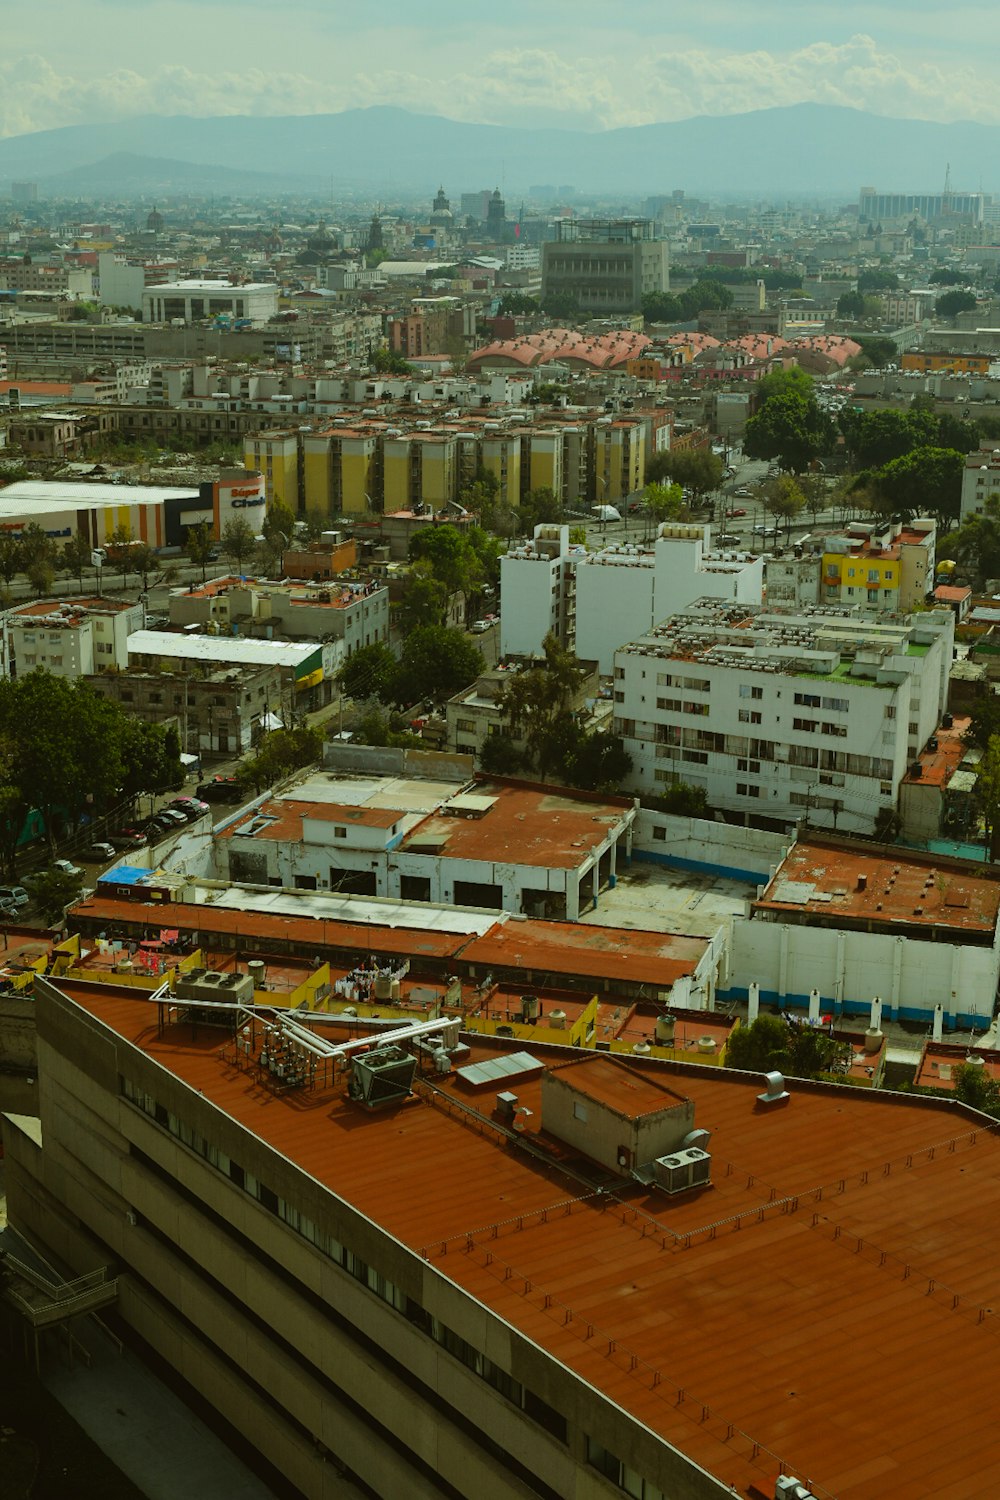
(222, 712)
(70, 639)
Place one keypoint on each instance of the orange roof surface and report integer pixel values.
(601, 953)
(824, 879)
(620, 1086)
(939, 1061)
(564, 344)
(523, 826)
(938, 766)
(826, 1305)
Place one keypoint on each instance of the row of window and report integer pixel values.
(814, 700)
(813, 726)
(336, 1251)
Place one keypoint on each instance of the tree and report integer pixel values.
(953, 303)
(560, 305)
(533, 701)
(926, 481)
(314, 523)
(424, 601)
(119, 550)
(784, 500)
(41, 575)
(376, 727)
(878, 281)
(76, 556)
(955, 432)
(499, 755)
(984, 721)
(437, 662)
(449, 557)
(539, 507)
(946, 276)
(278, 526)
(36, 547)
(280, 752)
(239, 541)
(369, 672)
(774, 1044)
(144, 562)
(988, 794)
(789, 428)
(876, 351)
(695, 469)
(199, 546)
(54, 890)
(516, 302)
(975, 1086)
(851, 305)
(385, 362)
(661, 307)
(11, 557)
(877, 437)
(664, 502)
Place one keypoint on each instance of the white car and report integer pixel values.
(479, 627)
(66, 867)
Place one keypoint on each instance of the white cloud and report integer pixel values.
(517, 86)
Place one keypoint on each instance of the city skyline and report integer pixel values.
(580, 66)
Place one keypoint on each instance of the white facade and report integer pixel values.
(784, 715)
(595, 602)
(190, 301)
(69, 640)
(121, 284)
(980, 480)
(850, 968)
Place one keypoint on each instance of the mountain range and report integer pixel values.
(801, 150)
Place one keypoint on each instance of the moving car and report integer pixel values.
(220, 789)
(736, 511)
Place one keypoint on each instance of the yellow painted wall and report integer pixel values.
(316, 485)
(357, 474)
(396, 474)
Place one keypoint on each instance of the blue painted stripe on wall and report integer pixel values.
(702, 867)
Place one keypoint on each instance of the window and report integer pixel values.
(839, 705)
(671, 705)
(747, 691)
(663, 679)
(339, 832)
(749, 716)
(659, 835)
(807, 726)
(697, 757)
(746, 789)
(753, 766)
(873, 575)
(695, 708)
(890, 712)
(839, 730)
(808, 700)
(580, 1111)
(465, 726)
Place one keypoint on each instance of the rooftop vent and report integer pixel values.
(774, 1089)
(690, 1167)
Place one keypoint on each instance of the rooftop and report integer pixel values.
(791, 1313)
(839, 880)
(221, 648)
(938, 765)
(38, 497)
(519, 825)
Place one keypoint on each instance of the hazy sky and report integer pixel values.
(582, 63)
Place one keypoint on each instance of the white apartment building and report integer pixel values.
(69, 639)
(784, 715)
(596, 601)
(980, 480)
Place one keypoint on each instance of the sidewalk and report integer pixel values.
(136, 1420)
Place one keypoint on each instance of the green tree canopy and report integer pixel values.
(75, 556)
(953, 303)
(280, 752)
(199, 546)
(424, 602)
(988, 794)
(369, 672)
(239, 542)
(773, 1044)
(974, 1085)
(947, 276)
(926, 481)
(790, 428)
(878, 280)
(876, 351)
(696, 469)
(437, 662)
(664, 502)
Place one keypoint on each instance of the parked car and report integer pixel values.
(762, 530)
(220, 789)
(479, 627)
(100, 853)
(191, 807)
(727, 539)
(16, 894)
(129, 838)
(741, 492)
(8, 909)
(66, 867)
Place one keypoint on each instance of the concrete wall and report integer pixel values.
(850, 968)
(704, 846)
(377, 760)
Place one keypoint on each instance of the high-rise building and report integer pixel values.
(603, 266)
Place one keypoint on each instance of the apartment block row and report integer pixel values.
(888, 567)
(780, 715)
(355, 465)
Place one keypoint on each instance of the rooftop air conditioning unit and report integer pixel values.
(673, 1173)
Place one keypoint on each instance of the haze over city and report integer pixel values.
(580, 63)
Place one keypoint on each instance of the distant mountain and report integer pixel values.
(798, 150)
(126, 174)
